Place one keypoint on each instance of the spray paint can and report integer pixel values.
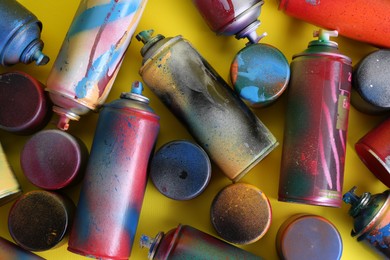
(371, 214)
(91, 55)
(362, 20)
(232, 17)
(115, 179)
(374, 151)
(9, 250)
(20, 33)
(234, 138)
(9, 186)
(313, 157)
(186, 242)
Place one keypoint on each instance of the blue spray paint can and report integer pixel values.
(371, 215)
(115, 179)
(20, 32)
(91, 55)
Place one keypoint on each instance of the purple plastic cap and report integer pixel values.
(25, 107)
(53, 159)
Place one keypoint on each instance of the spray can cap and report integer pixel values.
(146, 38)
(324, 38)
(357, 203)
(135, 93)
(151, 243)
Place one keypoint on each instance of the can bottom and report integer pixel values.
(96, 256)
(313, 201)
(261, 156)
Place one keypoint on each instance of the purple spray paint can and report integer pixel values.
(371, 214)
(234, 138)
(186, 242)
(91, 55)
(20, 33)
(115, 179)
(312, 168)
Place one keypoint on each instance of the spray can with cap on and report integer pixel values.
(20, 32)
(312, 167)
(259, 72)
(234, 138)
(91, 55)
(115, 178)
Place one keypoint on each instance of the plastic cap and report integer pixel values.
(324, 35)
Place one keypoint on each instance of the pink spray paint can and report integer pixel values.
(115, 179)
(91, 55)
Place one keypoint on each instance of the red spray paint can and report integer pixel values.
(115, 179)
(362, 20)
(312, 168)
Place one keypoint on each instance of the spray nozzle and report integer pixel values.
(324, 35)
(144, 36)
(137, 88)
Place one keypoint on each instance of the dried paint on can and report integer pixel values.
(180, 170)
(53, 159)
(40, 220)
(241, 213)
(25, 107)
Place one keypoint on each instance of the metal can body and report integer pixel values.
(9, 250)
(114, 184)
(371, 215)
(362, 20)
(312, 167)
(374, 151)
(229, 17)
(91, 55)
(9, 186)
(234, 138)
(20, 33)
(186, 242)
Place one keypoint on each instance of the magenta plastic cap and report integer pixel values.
(25, 107)
(53, 159)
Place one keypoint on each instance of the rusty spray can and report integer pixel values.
(313, 157)
(9, 185)
(186, 242)
(371, 214)
(234, 138)
(115, 179)
(91, 55)
(362, 20)
(259, 72)
(20, 32)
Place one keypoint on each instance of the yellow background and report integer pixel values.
(179, 17)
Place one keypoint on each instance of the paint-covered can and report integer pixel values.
(20, 35)
(180, 170)
(230, 133)
(232, 17)
(260, 74)
(241, 213)
(40, 220)
(9, 185)
(186, 242)
(307, 237)
(115, 179)
(25, 106)
(53, 159)
(362, 20)
(313, 156)
(91, 55)
(371, 214)
(371, 76)
(11, 251)
(374, 151)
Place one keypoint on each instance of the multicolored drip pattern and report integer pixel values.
(234, 138)
(113, 188)
(92, 53)
(186, 242)
(314, 146)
